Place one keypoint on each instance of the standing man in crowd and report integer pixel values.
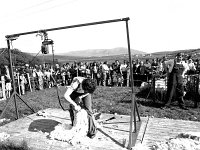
(117, 72)
(105, 73)
(123, 70)
(176, 71)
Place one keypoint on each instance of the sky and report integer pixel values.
(154, 25)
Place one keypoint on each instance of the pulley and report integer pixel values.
(45, 46)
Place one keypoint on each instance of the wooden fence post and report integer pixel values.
(3, 88)
(29, 82)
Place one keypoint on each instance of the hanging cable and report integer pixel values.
(12, 48)
(3, 51)
(57, 89)
(45, 50)
(58, 95)
(43, 35)
(34, 57)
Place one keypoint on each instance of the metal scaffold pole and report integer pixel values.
(134, 107)
(14, 94)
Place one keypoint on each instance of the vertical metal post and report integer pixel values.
(53, 57)
(12, 77)
(43, 59)
(132, 90)
(18, 84)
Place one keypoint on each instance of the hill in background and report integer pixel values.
(188, 52)
(18, 58)
(109, 55)
(91, 55)
(102, 52)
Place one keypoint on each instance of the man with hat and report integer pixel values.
(176, 69)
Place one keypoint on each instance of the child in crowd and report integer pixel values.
(8, 82)
(23, 81)
(8, 86)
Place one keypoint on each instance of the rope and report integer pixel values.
(57, 91)
(59, 100)
(2, 51)
(35, 57)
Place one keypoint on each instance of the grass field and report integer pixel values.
(105, 100)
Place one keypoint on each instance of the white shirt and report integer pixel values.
(191, 66)
(170, 64)
(48, 74)
(123, 67)
(95, 69)
(105, 68)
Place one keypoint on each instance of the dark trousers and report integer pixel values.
(175, 87)
(92, 130)
(124, 74)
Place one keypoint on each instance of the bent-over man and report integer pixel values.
(78, 94)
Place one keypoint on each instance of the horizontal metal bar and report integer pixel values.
(67, 27)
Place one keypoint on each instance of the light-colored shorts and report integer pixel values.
(8, 86)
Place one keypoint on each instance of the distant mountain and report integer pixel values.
(102, 52)
(173, 53)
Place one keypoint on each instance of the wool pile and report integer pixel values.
(4, 120)
(73, 135)
(4, 136)
(184, 141)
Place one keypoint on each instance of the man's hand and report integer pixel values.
(77, 107)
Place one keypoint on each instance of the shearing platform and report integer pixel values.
(160, 129)
(34, 130)
(113, 135)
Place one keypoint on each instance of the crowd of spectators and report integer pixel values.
(106, 74)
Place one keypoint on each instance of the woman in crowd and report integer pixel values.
(40, 76)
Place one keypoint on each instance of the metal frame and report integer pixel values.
(14, 94)
(134, 108)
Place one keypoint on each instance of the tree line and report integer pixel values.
(19, 58)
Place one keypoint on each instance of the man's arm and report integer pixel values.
(168, 65)
(69, 91)
(186, 68)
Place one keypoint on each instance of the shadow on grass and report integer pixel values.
(44, 125)
(151, 103)
(143, 93)
(145, 98)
